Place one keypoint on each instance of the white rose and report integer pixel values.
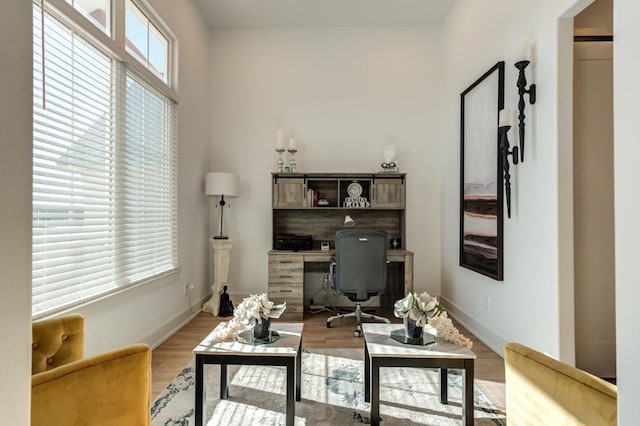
(402, 307)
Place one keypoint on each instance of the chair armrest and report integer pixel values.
(113, 388)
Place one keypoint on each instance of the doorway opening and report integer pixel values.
(593, 191)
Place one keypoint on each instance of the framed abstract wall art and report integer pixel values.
(481, 196)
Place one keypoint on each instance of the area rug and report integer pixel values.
(332, 394)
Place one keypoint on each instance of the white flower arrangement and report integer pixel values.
(256, 307)
(252, 309)
(418, 307)
(425, 309)
(445, 329)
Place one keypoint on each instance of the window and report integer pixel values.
(104, 168)
(145, 42)
(98, 12)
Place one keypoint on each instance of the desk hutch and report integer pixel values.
(315, 204)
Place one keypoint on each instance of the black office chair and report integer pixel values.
(360, 269)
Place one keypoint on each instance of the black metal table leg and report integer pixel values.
(467, 393)
(375, 393)
(200, 394)
(224, 382)
(291, 404)
(444, 386)
(367, 373)
(299, 372)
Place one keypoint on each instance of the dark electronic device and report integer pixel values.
(293, 242)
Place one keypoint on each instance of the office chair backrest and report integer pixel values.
(361, 263)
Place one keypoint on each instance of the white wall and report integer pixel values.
(344, 93)
(627, 205)
(531, 304)
(16, 85)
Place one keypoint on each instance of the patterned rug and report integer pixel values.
(332, 394)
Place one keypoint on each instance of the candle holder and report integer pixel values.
(292, 163)
(506, 152)
(522, 90)
(280, 162)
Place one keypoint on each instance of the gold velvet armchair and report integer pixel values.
(541, 390)
(113, 388)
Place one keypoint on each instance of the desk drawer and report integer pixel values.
(288, 291)
(286, 269)
(285, 262)
(286, 277)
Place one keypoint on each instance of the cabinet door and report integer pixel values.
(289, 192)
(388, 193)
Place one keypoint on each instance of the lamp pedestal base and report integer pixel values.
(221, 255)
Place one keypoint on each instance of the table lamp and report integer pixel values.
(224, 185)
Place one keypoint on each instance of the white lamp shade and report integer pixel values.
(218, 183)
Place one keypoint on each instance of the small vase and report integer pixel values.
(262, 331)
(411, 330)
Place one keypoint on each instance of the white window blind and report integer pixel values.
(104, 171)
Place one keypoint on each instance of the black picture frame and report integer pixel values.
(481, 194)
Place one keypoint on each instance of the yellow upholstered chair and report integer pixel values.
(113, 388)
(541, 390)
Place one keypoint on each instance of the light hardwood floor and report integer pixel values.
(171, 356)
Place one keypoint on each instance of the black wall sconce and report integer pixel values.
(522, 61)
(504, 124)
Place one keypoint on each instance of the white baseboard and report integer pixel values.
(488, 337)
(169, 328)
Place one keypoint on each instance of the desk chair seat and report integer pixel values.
(360, 271)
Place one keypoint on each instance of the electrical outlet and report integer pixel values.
(187, 287)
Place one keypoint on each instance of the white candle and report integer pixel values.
(293, 144)
(280, 140)
(504, 118)
(522, 54)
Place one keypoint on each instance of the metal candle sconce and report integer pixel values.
(521, 64)
(503, 128)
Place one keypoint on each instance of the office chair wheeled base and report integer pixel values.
(357, 314)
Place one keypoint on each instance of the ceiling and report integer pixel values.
(322, 13)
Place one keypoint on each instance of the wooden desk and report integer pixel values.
(286, 275)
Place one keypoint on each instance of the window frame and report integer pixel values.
(116, 42)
